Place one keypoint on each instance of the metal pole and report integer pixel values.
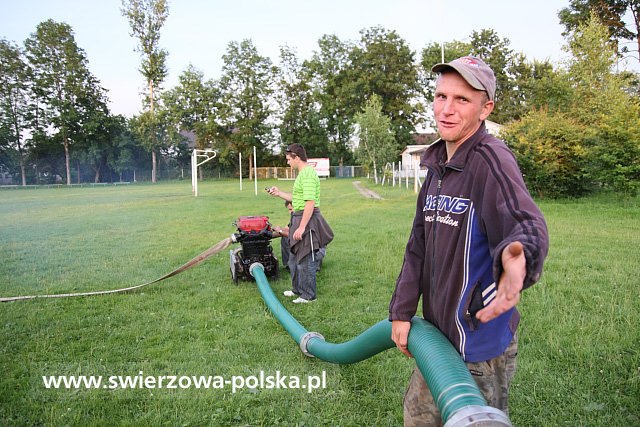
(208, 155)
(441, 13)
(393, 174)
(406, 176)
(255, 171)
(193, 187)
(240, 166)
(194, 173)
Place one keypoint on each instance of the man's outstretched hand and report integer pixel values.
(514, 270)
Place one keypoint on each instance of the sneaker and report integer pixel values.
(289, 294)
(301, 300)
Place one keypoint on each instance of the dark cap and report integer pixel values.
(298, 150)
(474, 71)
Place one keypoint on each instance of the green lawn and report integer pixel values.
(579, 361)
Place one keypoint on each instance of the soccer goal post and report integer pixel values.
(198, 158)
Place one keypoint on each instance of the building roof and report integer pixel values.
(415, 149)
(424, 138)
(190, 136)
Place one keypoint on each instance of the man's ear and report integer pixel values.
(487, 108)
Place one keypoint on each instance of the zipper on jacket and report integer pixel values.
(433, 235)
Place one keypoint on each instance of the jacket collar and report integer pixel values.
(436, 154)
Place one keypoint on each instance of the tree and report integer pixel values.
(611, 13)
(487, 45)
(146, 18)
(376, 142)
(591, 139)
(97, 143)
(519, 83)
(246, 86)
(601, 102)
(327, 67)
(536, 85)
(301, 119)
(68, 92)
(432, 55)
(128, 152)
(383, 64)
(14, 100)
(193, 105)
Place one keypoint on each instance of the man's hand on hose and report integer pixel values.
(400, 335)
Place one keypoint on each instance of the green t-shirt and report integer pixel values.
(306, 187)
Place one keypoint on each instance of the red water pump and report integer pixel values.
(254, 235)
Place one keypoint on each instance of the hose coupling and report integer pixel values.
(476, 416)
(255, 265)
(304, 342)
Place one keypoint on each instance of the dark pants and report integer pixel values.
(285, 254)
(303, 274)
(285, 251)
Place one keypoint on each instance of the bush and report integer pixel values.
(614, 153)
(551, 154)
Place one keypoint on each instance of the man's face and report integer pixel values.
(458, 108)
(292, 160)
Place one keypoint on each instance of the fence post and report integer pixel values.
(406, 177)
(255, 171)
(393, 174)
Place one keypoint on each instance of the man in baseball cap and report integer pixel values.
(490, 244)
(474, 71)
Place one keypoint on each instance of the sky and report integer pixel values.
(198, 32)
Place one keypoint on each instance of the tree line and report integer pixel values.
(575, 127)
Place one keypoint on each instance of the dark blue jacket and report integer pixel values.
(468, 211)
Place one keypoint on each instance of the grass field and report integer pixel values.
(579, 361)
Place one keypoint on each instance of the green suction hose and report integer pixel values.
(456, 394)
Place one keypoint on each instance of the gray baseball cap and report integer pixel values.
(474, 71)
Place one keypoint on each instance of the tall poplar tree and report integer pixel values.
(146, 18)
(246, 86)
(14, 99)
(67, 92)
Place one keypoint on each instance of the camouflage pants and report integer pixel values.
(492, 376)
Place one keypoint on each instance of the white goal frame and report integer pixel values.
(208, 155)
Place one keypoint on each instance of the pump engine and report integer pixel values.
(254, 235)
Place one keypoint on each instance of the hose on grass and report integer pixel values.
(459, 400)
(456, 394)
(221, 245)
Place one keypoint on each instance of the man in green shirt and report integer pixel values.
(309, 232)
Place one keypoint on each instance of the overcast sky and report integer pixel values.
(198, 31)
